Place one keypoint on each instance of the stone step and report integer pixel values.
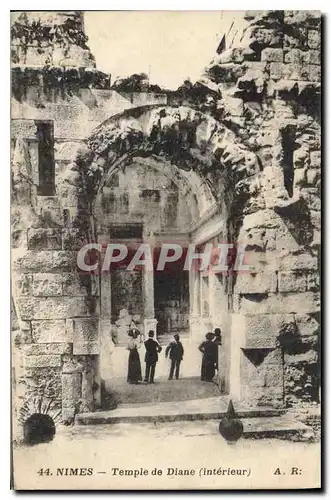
(258, 427)
(198, 409)
(280, 426)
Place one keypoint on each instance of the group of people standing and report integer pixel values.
(175, 351)
(153, 348)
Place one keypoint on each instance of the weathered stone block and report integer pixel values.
(314, 73)
(49, 331)
(72, 239)
(312, 57)
(300, 177)
(291, 42)
(23, 284)
(273, 178)
(71, 393)
(306, 357)
(270, 238)
(263, 37)
(66, 150)
(262, 396)
(293, 56)
(260, 342)
(47, 285)
(44, 239)
(229, 56)
(47, 349)
(73, 286)
(258, 326)
(255, 375)
(233, 106)
(274, 377)
(86, 347)
(295, 72)
(50, 209)
(313, 281)
(291, 282)
(45, 361)
(276, 70)
(315, 159)
(256, 283)
(274, 357)
(299, 57)
(69, 329)
(19, 239)
(266, 325)
(301, 157)
(309, 140)
(255, 67)
(314, 39)
(52, 307)
(313, 176)
(23, 128)
(46, 261)
(307, 325)
(276, 303)
(309, 18)
(86, 329)
(272, 55)
(316, 242)
(298, 262)
(25, 325)
(312, 198)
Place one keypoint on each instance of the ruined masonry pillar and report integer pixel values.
(71, 389)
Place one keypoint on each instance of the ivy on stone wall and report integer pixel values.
(40, 35)
(56, 79)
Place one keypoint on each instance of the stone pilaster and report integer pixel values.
(148, 294)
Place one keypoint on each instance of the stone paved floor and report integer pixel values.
(162, 390)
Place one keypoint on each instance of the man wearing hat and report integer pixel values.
(151, 357)
(176, 355)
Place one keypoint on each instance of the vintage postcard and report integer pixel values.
(165, 214)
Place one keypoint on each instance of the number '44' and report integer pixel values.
(43, 472)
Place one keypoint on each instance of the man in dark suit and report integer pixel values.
(176, 355)
(151, 357)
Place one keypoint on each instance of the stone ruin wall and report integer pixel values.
(270, 86)
(266, 91)
(55, 313)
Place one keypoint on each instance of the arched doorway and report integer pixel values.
(150, 175)
(149, 201)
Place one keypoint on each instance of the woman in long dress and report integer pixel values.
(207, 347)
(134, 366)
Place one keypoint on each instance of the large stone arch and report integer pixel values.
(187, 138)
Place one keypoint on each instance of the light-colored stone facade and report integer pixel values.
(242, 165)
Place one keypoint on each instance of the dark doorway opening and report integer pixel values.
(171, 303)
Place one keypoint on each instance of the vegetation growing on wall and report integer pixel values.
(40, 35)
